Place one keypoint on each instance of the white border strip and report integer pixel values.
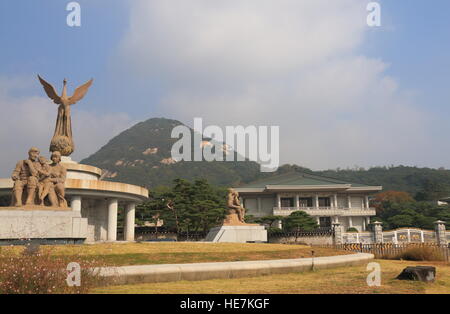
(224, 270)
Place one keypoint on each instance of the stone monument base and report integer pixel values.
(35, 207)
(237, 234)
(49, 225)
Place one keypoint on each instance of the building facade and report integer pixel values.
(327, 200)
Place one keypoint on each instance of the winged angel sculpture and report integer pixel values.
(62, 140)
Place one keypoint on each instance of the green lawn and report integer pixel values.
(339, 280)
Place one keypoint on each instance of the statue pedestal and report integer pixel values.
(41, 225)
(237, 234)
(35, 207)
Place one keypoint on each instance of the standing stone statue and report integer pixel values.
(62, 140)
(26, 176)
(44, 180)
(237, 211)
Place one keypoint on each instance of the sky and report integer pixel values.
(343, 94)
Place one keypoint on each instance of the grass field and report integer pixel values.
(338, 280)
(332, 281)
(119, 254)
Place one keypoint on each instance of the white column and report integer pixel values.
(317, 201)
(318, 220)
(297, 200)
(130, 212)
(112, 219)
(367, 202)
(364, 224)
(350, 222)
(335, 201)
(278, 201)
(75, 203)
(349, 201)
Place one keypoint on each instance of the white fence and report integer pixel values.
(398, 236)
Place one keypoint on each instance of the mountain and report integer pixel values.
(141, 155)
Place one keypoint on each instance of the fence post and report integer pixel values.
(378, 232)
(338, 236)
(441, 236)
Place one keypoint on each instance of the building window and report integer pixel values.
(287, 202)
(324, 202)
(251, 204)
(306, 202)
(325, 222)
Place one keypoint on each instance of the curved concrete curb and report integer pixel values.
(224, 270)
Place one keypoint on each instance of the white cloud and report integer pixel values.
(238, 39)
(29, 121)
(292, 63)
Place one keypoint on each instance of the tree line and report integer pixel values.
(185, 206)
(199, 206)
(398, 209)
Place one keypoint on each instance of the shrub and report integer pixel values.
(299, 220)
(352, 230)
(421, 253)
(273, 230)
(41, 273)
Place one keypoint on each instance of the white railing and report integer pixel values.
(324, 211)
(359, 212)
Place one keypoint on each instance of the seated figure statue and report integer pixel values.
(51, 181)
(236, 209)
(58, 178)
(26, 177)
